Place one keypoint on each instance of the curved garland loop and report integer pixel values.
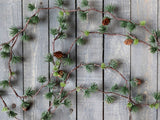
(61, 77)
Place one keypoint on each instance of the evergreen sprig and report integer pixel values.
(29, 92)
(124, 90)
(25, 105)
(56, 102)
(12, 114)
(25, 37)
(14, 31)
(156, 96)
(67, 103)
(153, 49)
(49, 57)
(138, 98)
(114, 64)
(59, 3)
(6, 47)
(109, 8)
(4, 83)
(84, 3)
(80, 41)
(5, 54)
(102, 29)
(46, 116)
(109, 99)
(31, 7)
(16, 59)
(90, 67)
(42, 79)
(83, 15)
(34, 20)
(49, 95)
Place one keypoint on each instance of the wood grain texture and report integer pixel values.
(11, 12)
(144, 63)
(64, 45)
(90, 108)
(34, 51)
(114, 48)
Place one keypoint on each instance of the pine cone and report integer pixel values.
(60, 72)
(138, 81)
(106, 21)
(128, 41)
(59, 54)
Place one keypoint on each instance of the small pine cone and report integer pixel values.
(60, 72)
(128, 41)
(138, 81)
(59, 54)
(106, 21)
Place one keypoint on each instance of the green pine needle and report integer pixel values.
(114, 88)
(156, 96)
(133, 83)
(59, 3)
(62, 35)
(94, 87)
(61, 19)
(67, 103)
(29, 92)
(80, 41)
(109, 8)
(25, 37)
(124, 90)
(153, 49)
(158, 33)
(87, 93)
(56, 102)
(49, 95)
(138, 98)
(154, 105)
(12, 114)
(25, 105)
(13, 31)
(46, 116)
(134, 108)
(54, 32)
(123, 24)
(84, 3)
(5, 54)
(6, 47)
(152, 39)
(109, 99)
(49, 58)
(4, 83)
(51, 84)
(63, 94)
(16, 59)
(42, 79)
(67, 61)
(131, 26)
(114, 64)
(83, 15)
(102, 29)
(34, 20)
(90, 67)
(31, 7)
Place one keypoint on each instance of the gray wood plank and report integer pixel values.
(11, 12)
(90, 108)
(34, 52)
(114, 48)
(64, 45)
(144, 63)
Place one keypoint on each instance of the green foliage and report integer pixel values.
(136, 41)
(153, 49)
(114, 88)
(61, 13)
(51, 84)
(25, 37)
(84, 3)
(13, 31)
(103, 65)
(46, 116)
(6, 47)
(131, 26)
(157, 33)
(49, 57)
(61, 19)
(124, 90)
(12, 114)
(123, 24)
(156, 96)
(90, 67)
(49, 95)
(132, 107)
(67, 103)
(29, 92)
(62, 35)
(63, 26)
(86, 33)
(56, 102)
(54, 32)
(83, 15)
(59, 3)
(133, 83)
(63, 94)
(102, 29)
(67, 61)
(109, 8)
(154, 105)
(142, 23)
(4, 109)
(93, 87)
(4, 83)
(16, 59)
(129, 105)
(87, 93)
(80, 41)
(62, 84)
(64, 76)
(42, 79)
(152, 39)
(138, 98)
(56, 74)
(31, 7)
(78, 89)
(114, 64)
(34, 20)
(25, 104)
(109, 99)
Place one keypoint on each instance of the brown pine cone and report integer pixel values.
(106, 21)
(138, 81)
(59, 54)
(128, 41)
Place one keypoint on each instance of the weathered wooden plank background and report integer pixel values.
(137, 61)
